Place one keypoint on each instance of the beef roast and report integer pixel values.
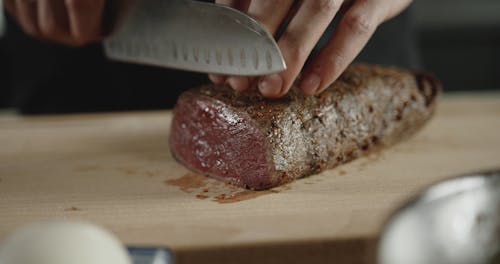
(257, 143)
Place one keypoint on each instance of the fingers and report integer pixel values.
(217, 78)
(355, 28)
(71, 22)
(26, 14)
(270, 13)
(238, 83)
(85, 19)
(297, 42)
(396, 8)
(10, 7)
(359, 20)
(53, 20)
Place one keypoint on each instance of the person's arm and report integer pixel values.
(71, 22)
(309, 19)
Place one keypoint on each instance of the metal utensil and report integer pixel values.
(194, 36)
(456, 221)
(142, 255)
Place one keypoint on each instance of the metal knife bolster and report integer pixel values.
(193, 36)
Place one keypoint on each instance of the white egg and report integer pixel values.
(63, 243)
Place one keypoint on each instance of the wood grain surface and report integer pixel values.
(116, 170)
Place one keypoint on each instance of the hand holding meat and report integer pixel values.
(252, 142)
(308, 20)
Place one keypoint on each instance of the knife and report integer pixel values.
(192, 36)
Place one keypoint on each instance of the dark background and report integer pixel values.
(458, 40)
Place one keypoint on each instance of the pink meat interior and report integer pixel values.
(215, 140)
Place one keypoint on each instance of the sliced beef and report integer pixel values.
(256, 143)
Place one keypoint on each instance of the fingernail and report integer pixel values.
(270, 86)
(239, 84)
(217, 79)
(310, 84)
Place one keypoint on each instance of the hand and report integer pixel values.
(309, 19)
(70, 22)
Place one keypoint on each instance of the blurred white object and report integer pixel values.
(63, 243)
(2, 19)
(454, 222)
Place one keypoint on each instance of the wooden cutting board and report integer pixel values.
(116, 170)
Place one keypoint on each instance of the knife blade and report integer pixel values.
(193, 36)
